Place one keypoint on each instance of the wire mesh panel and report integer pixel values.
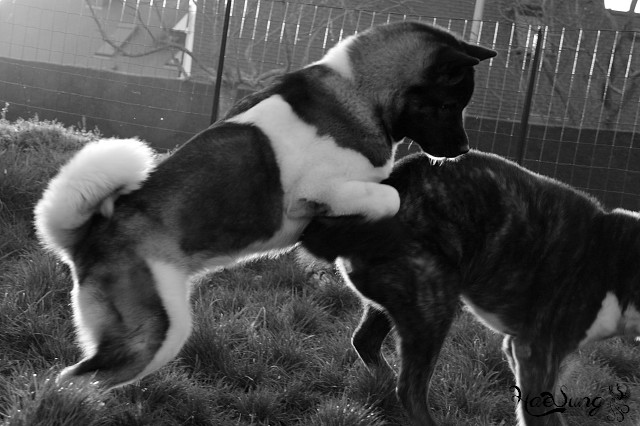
(585, 123)
(146, 67)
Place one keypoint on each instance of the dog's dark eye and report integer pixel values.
(448, 106)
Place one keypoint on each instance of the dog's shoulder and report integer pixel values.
(253, 99)
(303, 90)
(298, 88)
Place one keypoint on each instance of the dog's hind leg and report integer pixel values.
(174, 288)
(131, 320)
(536, 369)
(507, 349)
(421, 297)
(368, 337)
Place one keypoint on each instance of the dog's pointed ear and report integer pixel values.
(479, 52)
(470, 55)
(453, 61)
(452, 64)
(451, 58)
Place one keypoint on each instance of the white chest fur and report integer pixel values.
(314, 168)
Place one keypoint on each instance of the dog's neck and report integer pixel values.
(358, 73)
(366, 104)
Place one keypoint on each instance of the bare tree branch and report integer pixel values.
(160, 45)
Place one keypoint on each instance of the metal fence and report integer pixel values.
(147, 68)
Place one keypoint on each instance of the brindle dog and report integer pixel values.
(532, 258)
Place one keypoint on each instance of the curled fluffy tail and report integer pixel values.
(89, 183)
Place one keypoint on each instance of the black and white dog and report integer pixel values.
(318, 141)
(532, 258)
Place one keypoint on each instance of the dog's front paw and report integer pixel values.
(319, 209)
(384, 202)
(372, 200)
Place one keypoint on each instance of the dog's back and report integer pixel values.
(517, 239)
(469, 206)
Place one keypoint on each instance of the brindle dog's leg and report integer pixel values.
(368, 337)
(421, 297)
(536, 368)
(421, 330)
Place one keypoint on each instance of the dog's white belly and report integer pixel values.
(489, 319)
(631, 321)
(607, 321)
(285, 238)
(315, 168)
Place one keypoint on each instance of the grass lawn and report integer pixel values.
(271, 341)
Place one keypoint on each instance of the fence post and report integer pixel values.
(223, 48)
(526, 110)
